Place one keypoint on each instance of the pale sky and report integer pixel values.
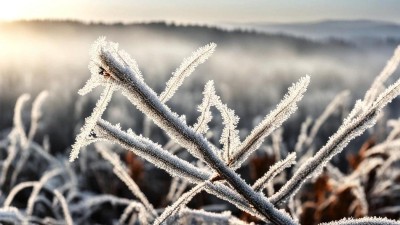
(201, 11)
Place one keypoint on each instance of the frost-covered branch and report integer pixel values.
(150, 151)
(146, 100)
(175, 166)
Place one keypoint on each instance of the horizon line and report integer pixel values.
(193, 23)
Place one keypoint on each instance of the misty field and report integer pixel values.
(171, 149)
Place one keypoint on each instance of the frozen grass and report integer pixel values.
(58, 198)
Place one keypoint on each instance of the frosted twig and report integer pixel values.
(36, 113)
(185, 69)
(64, 206)
(384, 147)
(16, 189)
(350, 129)
(182, 201)
(340, 99)
(99, 200)
(274, 170)
(84, 137)
(173, 188)
(359, 193)
(395, 124)
(36, 188)
(272, 121)
(17, 136)
(315, 164)
(180, 190)
(209, 99)
(18, 122)
(377, 86)
(230, 134)
(303, 135)
(124, 177)
(12, 153)
(379, 81)
(305, 143)
(127, 211)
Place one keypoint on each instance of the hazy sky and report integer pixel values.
(201, 11)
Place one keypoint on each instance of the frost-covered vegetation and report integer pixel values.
(301, 186)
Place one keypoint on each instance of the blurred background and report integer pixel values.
(262, 48)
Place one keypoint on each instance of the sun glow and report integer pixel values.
(12, 10)
(28, 9)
